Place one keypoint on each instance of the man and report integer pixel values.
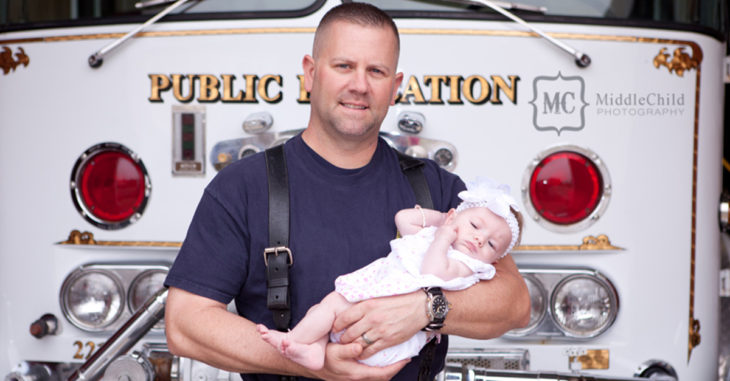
(345, 188)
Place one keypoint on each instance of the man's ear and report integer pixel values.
(308, 66)
(396, 86)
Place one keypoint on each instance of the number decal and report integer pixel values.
(79, 347)
(79, 355)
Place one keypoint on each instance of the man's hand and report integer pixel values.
(384, 321)
(340, 363)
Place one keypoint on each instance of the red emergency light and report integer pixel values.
(565, 187)
(110, 186)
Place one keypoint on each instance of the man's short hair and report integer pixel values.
(357, 13)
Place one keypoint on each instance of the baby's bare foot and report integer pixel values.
(272, 337)
(308, 355)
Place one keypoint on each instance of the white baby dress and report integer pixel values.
(399, 273)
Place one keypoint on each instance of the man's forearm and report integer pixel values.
(204, 330)
(490, 308)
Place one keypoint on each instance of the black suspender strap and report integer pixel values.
(411, 167)
(278, 256)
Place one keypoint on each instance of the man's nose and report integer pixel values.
(359, 81)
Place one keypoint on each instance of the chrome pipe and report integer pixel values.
(471, 373)
(124, 338)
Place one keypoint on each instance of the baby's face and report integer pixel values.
(481, 234)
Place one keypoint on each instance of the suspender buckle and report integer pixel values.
(276, 251)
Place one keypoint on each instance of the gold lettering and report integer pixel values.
(208, 88)
(79, 348)
(500, 84)
(177, 80)
(264, 88)
(227, 95)
(455, 86)
(412, 89)
(249, 94)
(303, 93)
(435, 81)
(485, 89)
(158, 83)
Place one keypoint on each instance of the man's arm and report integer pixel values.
(483, 311)
(490, 308)
(203, 329)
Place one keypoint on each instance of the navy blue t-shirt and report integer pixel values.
(340, 220)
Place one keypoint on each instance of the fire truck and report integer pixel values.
(605, 117)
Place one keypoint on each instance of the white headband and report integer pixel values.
(484, 192)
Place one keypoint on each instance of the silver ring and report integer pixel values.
(366, 340)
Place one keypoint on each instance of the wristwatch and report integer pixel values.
(436, 308)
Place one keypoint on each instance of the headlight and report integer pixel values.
(538, 299)
(572, 304)
(583, 305)
(92, 299)
(100, 297)
(143, 287)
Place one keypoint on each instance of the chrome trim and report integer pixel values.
(226, 152)
(411, 122)
(590, 219)
(258, 122)
(454, 372)
(723, 212)
(653, 368)
(442, 152)
(533, 325)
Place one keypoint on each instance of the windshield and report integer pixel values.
(711, 14)
(704, 13)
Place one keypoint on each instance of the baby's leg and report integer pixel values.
(305, 343)
(319, 319)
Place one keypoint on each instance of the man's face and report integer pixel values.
(352, 79)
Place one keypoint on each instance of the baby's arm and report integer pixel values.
(437, 263)
(410, 221)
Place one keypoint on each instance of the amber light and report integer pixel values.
(110, 186)
(565, 187)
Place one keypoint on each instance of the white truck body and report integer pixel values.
(491, 92)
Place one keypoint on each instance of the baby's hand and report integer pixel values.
(447, 233)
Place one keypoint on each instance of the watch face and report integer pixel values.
(440, 307)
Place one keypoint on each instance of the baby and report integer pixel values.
(450, 250)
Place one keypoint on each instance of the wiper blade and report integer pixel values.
(520, 7)
(151, 3)
(581, 59)
(96, 59)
